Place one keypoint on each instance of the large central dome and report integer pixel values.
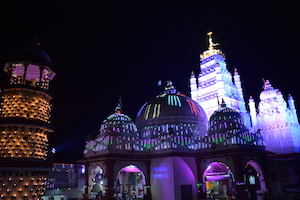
(171, 108)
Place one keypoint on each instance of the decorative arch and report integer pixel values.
(131, 180)
(218, 181)
(254, 177)
(97, 180)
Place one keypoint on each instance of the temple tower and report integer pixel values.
(215, 82)
(25, 124)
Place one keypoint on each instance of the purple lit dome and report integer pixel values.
(32, 54)
(225, 120)
(171, 110)
(118, 124)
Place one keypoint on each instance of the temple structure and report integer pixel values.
(277, 120)
(25, 125)
(206, 146)
(169, 154)
(274, 117)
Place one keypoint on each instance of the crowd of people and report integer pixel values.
(125, 196)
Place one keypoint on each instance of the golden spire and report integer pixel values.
(211, 44)
(211, 50)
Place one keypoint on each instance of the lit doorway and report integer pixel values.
(98, 181)
(218, 181)
(254, 180)
(130, 181)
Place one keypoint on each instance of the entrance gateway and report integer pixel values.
(219, 181)
(130, 181)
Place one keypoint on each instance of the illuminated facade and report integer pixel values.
(25, 124)
(206, 146)
(277, 120)
(273, 117)
(169, 149)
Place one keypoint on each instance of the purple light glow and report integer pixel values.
(131, 168)
(160, 172)
(216, 171)
(217, 177)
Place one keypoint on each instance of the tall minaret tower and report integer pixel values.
(215, 82)
(25, 124)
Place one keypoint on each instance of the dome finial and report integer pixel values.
(223, 104)
(170, 89)
(267, 85)
(118, 108)
(211, 44)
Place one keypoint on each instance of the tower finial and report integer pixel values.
(211, 44)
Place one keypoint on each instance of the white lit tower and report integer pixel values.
(25, 124)
(215, 83)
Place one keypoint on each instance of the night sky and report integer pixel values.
(104, 50)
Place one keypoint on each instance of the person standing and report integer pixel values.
(248, 194)
(134, 196)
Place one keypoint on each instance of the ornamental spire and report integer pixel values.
(118, 108)
(211, 44)
(267, 85)
(170, 89)
(211, 50)
(192, 74)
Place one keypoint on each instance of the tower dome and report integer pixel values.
(30, 66)
(32, 54)
(171, 111)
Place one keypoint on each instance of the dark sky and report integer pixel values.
(103, 50)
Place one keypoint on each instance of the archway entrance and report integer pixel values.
(130, 181)
(219, 181)
(97, 181)
(254, 180)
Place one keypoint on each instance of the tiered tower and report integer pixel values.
(25, 124)
(215, 83)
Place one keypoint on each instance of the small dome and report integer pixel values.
(269, 92)
(172, 110)
(226, 119)
(118, 124)
(32, 54)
